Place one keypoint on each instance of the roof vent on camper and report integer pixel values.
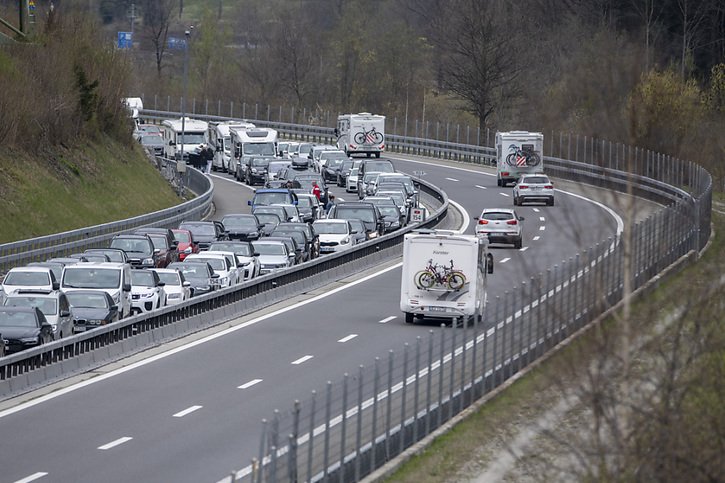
(257, 134)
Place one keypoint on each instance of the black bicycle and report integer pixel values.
(522, 157)
(368, 137)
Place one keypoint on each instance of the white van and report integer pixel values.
(190, 133)
(517, 153)
(444, 275)
(221, 142)
(113, 278)
(362, 133)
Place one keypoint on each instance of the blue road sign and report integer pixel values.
(176, 43)
(124, 40)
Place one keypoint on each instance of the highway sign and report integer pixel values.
(124, 40)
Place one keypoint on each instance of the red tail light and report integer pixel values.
(483, 222)
(548, 187)
(523, 187)
(504, 173)
(512, 222)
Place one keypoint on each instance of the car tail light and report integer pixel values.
(512, 222)
(483, 222)
(353, 146)
(523, 187)
(548, 187)
(504, 173)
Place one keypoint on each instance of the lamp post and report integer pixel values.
(181, 164)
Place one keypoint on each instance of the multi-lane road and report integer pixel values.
(193, 413)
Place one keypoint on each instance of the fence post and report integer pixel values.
(292, 459)
(311, 438)
(401, 442)
(496, 321)
(416, 398)
(328, 408)
(358, 439)
(262, 447)
(429, 382)
(389, 404)
(439, 414)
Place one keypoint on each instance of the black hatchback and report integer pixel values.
(365, 212)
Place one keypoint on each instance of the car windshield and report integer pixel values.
(276, 166)
(88, 300)
(17, 319)
(227, 144)
(497, 215)
(260, 162)
(304, 202)
(305, 148)
(275, 210)
(201, 229)
(152, 140)
(192, 270)
(182, 237)
(160, 242)
(240, 249)
(271, 197)
(357, 226)
(389, 210)
(112, 255)
(169, 278)
(27, 279)
(56, 268)
(380, 166)
(260, 149)
(268, 218)
(269, 248)
(331, 228)
(363, 214)
(133, 245)
(239, 222)
(216, 263)
(191, 138)
(49, 306)
(535, 180)
(142, 278)
(298, 236)
(89, 277)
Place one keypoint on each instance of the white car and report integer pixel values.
(37, 278)
(533, 187)
(293, 214)
(222, 264)
(247, 263)
(147, 291)
(351, 181)
(500, 225)
(177, 288)
(54, 305)
(335, 235)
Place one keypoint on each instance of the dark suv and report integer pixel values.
(139, 249)
(254, 169)
(164, 241)
(365, 212)
(205, 232)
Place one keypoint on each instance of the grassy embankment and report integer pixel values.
(466, 449)
(64, 189)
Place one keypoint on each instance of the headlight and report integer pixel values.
(29, 340)
(148, 261)
(373, 234)
(345, 240)
(116, 296)
(55, 327)
(254, 170)
(254, 233)
(147, 295)
(96, 322)
(187, 250)
(223, 280)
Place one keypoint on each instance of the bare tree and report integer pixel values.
(156, 20)
(649, 11)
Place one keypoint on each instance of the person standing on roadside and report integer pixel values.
(330, 203)
(208, 156)
(316, 190)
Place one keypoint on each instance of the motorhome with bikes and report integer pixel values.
(517, 153)
(361, 133)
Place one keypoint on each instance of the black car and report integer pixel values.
(304, 243)
(308, 230)
(365, 212)
(269, 222)
(205, 232)
(114, 254)
(242, 226)
(292, 246)
(344, 171)
(23, 328)
(92, 309)
(254, 169)
(200, 274)
(140, 250)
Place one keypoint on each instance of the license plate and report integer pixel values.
(80, 328)
(536, 188)
(438, 309)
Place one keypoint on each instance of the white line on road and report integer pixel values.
(349, 337)
(542, 228)
(249, 384)
(504, 260)
(523, 249)
(339, 199)
(186, 411)
(302, 359)
(536, 210)
(452, 179)
(504, 194)
(464, 213)
(541, 218)
(386, 319)
(482, 187)
(536, 237)
(113, 444)
(32, 477)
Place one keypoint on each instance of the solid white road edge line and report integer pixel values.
(186, 411)
(464, 213)
(349, 337)
(302, 359)
(249, 384)
(32, 477)
(387, 319)
(195, 343)
(113, 444)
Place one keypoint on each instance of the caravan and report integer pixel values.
(174, 138)
(361, 133)
(444, 275)
(220, 139)
(517, 153)
(258, 142)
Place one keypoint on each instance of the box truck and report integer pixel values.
(191, 133)
(444, 275)
(361, 133)
(517, 153)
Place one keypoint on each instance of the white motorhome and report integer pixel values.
(193, 135)
(362, 133)
(134, 105)
(259, 141)
(444, 275)
(221, 142)
(517, 153)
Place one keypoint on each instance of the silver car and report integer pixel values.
(273, 255)
(54, 305)
(533, 187)
(500, 225)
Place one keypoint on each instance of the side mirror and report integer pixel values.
(175, 245)
(521, 218)
(186, 284)
(216, 275)
(157, 251)
(255, 254)
(56, 285)
(249, 202)
(161, 284)
(172, 143)
(114, 308)
(65, 313)
(126, 287)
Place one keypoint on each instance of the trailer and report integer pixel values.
(444, 275)
(361, 133)
(517, 153)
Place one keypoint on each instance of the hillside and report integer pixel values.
(65, 188)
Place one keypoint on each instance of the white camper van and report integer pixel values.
(192, 138)
(259, 141)
(517, 153)
(361, 133)
(444, 275)
(134, 105)
(220, 139)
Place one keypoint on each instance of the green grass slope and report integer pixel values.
(67, 188)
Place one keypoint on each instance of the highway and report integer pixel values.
(193, 414)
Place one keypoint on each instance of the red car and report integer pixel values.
(187, 245)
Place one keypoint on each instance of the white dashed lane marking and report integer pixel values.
(349, 337)
(32, 477)
(452, 179)
(386, 319)
(542, 228)
(249, 384)
(482, 187)
(523, 249)
(186, 411)
(536, 210)
(541, 218)
(504, 194)
(536, 237)
(505, 260)
(302, 359)
(115, 443)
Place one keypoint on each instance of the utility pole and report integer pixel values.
(133, 21)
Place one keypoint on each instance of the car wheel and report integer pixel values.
(516, 200)
(498, 182)
(518, 243)
(551, 202)
(409, 318)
